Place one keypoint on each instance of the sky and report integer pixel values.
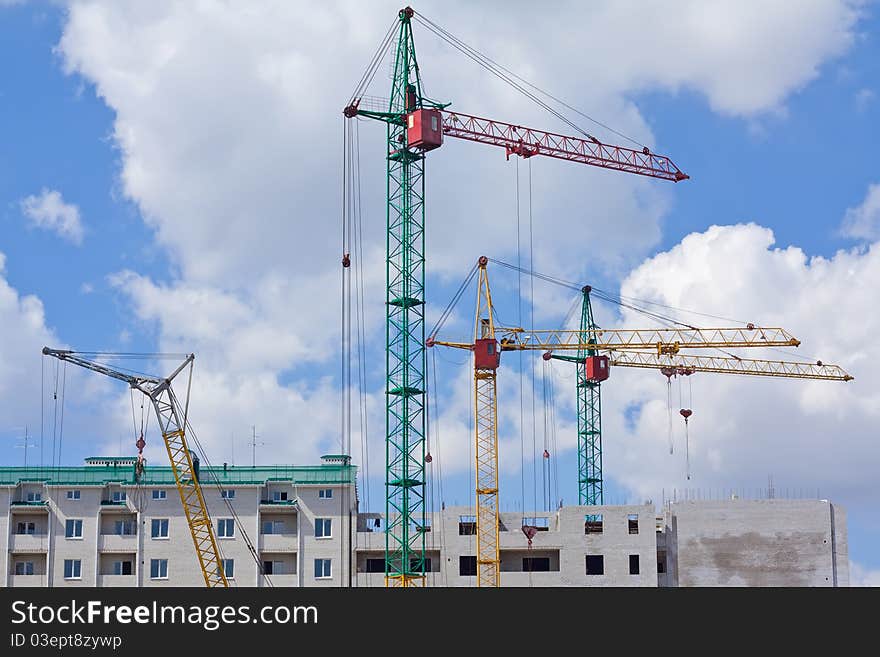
(170, 181)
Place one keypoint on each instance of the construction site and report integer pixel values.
(190, 520)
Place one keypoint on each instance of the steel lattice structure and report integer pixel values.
(172, 424)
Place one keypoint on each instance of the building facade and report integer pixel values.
(94, 526)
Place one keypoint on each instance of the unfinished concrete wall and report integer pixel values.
(755, 543)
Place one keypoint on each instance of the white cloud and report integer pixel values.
(24, 331)
(229, 131)
(861, 576)
(809, 434)
(864, 97)
(863, 221)
(48, 211)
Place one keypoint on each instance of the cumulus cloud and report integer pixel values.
(863, 220)
(48, 211)
(861, 576)
(811, 434)
(229, 130)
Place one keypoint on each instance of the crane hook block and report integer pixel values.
(346, 260)
(686, 413)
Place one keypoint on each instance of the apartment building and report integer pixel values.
(93, 525)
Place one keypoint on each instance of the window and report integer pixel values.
(273, 567)
(467, 525)
(322, 569)
(273, 526)
(595, 564)
(73, 494)
(124, 528)
(632, 521)
(158, 568)
(73, 529)
(119, 496)
(229, 568)
(325, 493)
(375, 565)
(159, 528)
(24, 568)
(323, 528)
(541, 524)
(26, 528)
(414, 565)
(661, 563)
(593, 523)
(467, 566)
(536, 564)
(34, 497)
(72, 569)
(633, 564)
(159, 494)
(122, 568)
(434, 123)
(225, 528)
(227, 494)
(279, 496)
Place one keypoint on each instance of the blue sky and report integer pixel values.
(75, 120)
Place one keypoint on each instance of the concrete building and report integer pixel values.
(93, 526)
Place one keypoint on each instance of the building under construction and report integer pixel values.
(289, 526)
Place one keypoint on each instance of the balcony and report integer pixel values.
(278, 542)
(281, 580)
(29, 543)
(116, 580)
(120, 506)
(42, 505)
(28, 580)
(279, 506)
(117, 543)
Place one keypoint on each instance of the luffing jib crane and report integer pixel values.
(416, 125)
(172, 424)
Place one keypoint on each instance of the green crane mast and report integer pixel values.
(589, 411)
(405, 359)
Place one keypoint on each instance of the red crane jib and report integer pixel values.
(526, 142)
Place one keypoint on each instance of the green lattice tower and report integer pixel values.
(589, 410)
(405, 361)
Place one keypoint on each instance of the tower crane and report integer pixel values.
(172, 424)
(415, 125)
(597, 350)
(625, 349)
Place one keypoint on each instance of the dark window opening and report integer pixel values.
(595, 564)
(593, 524)
(633, 564)
(414, 565)
(375, 565)
(467, 526)
(467, 566)
(632, 522)
(267, 567)
(536, 564)
(661, 567)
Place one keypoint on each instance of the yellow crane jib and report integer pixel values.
(172, 424)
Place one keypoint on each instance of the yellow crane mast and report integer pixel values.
(656, 348)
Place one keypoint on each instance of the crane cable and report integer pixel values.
(373, 66)
(516, 81)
